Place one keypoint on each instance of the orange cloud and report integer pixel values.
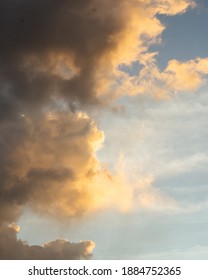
(175, 78)
(74, 50)
(186, 76)
(51, 165)
(71, 53)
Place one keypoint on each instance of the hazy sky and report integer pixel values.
(103, 124)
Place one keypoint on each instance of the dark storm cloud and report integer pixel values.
(34, 32)
(70, 48)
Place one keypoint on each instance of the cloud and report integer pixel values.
(67, 53)
(12, 248)
(48, 164)
(173, 7)
(127, 192)
(186, 76)
(177, 77)
(72, 49)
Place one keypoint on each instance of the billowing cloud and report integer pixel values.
(59, 55)
(12, 248)
(48, 163)
(71, 49)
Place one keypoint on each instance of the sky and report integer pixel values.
(103, 129)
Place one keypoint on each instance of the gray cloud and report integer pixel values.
(46, 164)
(71, 49)
(33, 33)
(12, 248)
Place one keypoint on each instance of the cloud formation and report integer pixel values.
(48, 164)
(66, 54)
(177, 77)
(72, 49)
(12, 248)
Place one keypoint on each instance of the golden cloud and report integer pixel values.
(71, 52)
(177, 77)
